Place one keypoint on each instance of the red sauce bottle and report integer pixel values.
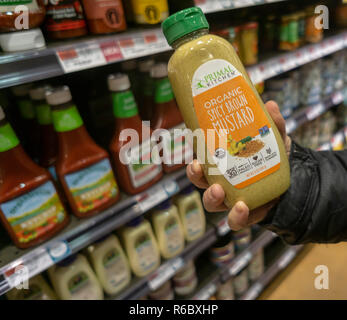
(48, 139)
(166, 115)
(146, 95)
(137, 172)
(30, 208)
(83, 168)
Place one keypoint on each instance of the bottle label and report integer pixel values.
(26, 109)
(8, 138)
(146, 254)
(237, 131)
(81, 288)
(10, 5)
(141, 170)
(193, 219)
(67, 119)
(115, 268)
(43, 114)
(93, 186)
(149, 11)
(174, 237)
(177, 148)
(163, 91)
(110, 12)
(124, 105)
(34, 213)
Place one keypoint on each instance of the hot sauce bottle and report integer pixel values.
(83, 168)
(166, 115)
(138, 172)
(30, 208)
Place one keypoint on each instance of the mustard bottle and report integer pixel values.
(238, 143)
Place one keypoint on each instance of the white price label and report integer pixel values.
(223, 227)
(325, 147)
(337, 141)
(18, 274)
(255, 74)
(315, 111)
(286, 259)
(291, 125)
(149, 199)
(337, 98)
(80, 58)
(240, 263)
(207, 292)
(254, 292)
(164, 273)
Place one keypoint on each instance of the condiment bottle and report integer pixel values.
(313, 34)
(30, 208)
(149, 11)
(28, 126)
(164, 292)
(38, 289)
(65, 19)
(141, 247)
(168, 230)
(110, 264)
(136, 171)
(166, 115)
(185, 281)
(249, 43)
(245, 153)
(191, 213)
(147, 93)
(104, 16)
(48, 139)
(83, 168)
(74, 279)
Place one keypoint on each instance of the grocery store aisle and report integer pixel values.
(297, 281)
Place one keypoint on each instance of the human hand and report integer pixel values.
(239, 216)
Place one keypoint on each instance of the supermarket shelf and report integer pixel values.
(58, 59)
(81, 233)
(312, 112)
(169, 268)
(281, 263)
(336, 141)
(211, 6)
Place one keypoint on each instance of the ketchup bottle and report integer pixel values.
(30, 208)
(166, 115)
(138, 172)
(83, 168)
(48, 139)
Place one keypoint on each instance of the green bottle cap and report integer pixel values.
(183, 23)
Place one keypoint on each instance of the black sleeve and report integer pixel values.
(314, 209)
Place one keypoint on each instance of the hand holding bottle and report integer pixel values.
(213, 199)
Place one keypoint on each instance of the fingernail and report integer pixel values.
(212, 195)
(239, 207)
(214, 192)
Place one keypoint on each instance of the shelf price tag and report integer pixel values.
(315, 111)
(337, 141)
(82, 57)
(240, 263)
(207, 292)
(223, 227)
(291, 125)
(324, 147)
(253, 292)
(152, 197)
(164, 273)
(285, 260)
(19, 273)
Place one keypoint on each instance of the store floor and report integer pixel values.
(297, 281)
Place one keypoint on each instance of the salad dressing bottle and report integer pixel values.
(245, 153)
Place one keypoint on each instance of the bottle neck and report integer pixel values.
(43, 113)
(8, 138)
(66, 118)
(124, 105)
(163, 91)
(189, 37)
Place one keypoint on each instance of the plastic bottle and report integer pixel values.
(38, 289)
(147, 94)
(168, 230)
(110, 264)
(74, 279)
(141, 247)
(83, 168)
(191, 213)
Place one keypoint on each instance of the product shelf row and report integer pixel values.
(59, 59)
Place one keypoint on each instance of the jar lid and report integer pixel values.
(58, 95)
(39, 92)
(118, 82)
(21, 91)
(129, 65)
(159, 70)
(146, 65)
(2, 114)
(184, 22)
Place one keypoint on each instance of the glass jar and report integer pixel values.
(249, 43)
